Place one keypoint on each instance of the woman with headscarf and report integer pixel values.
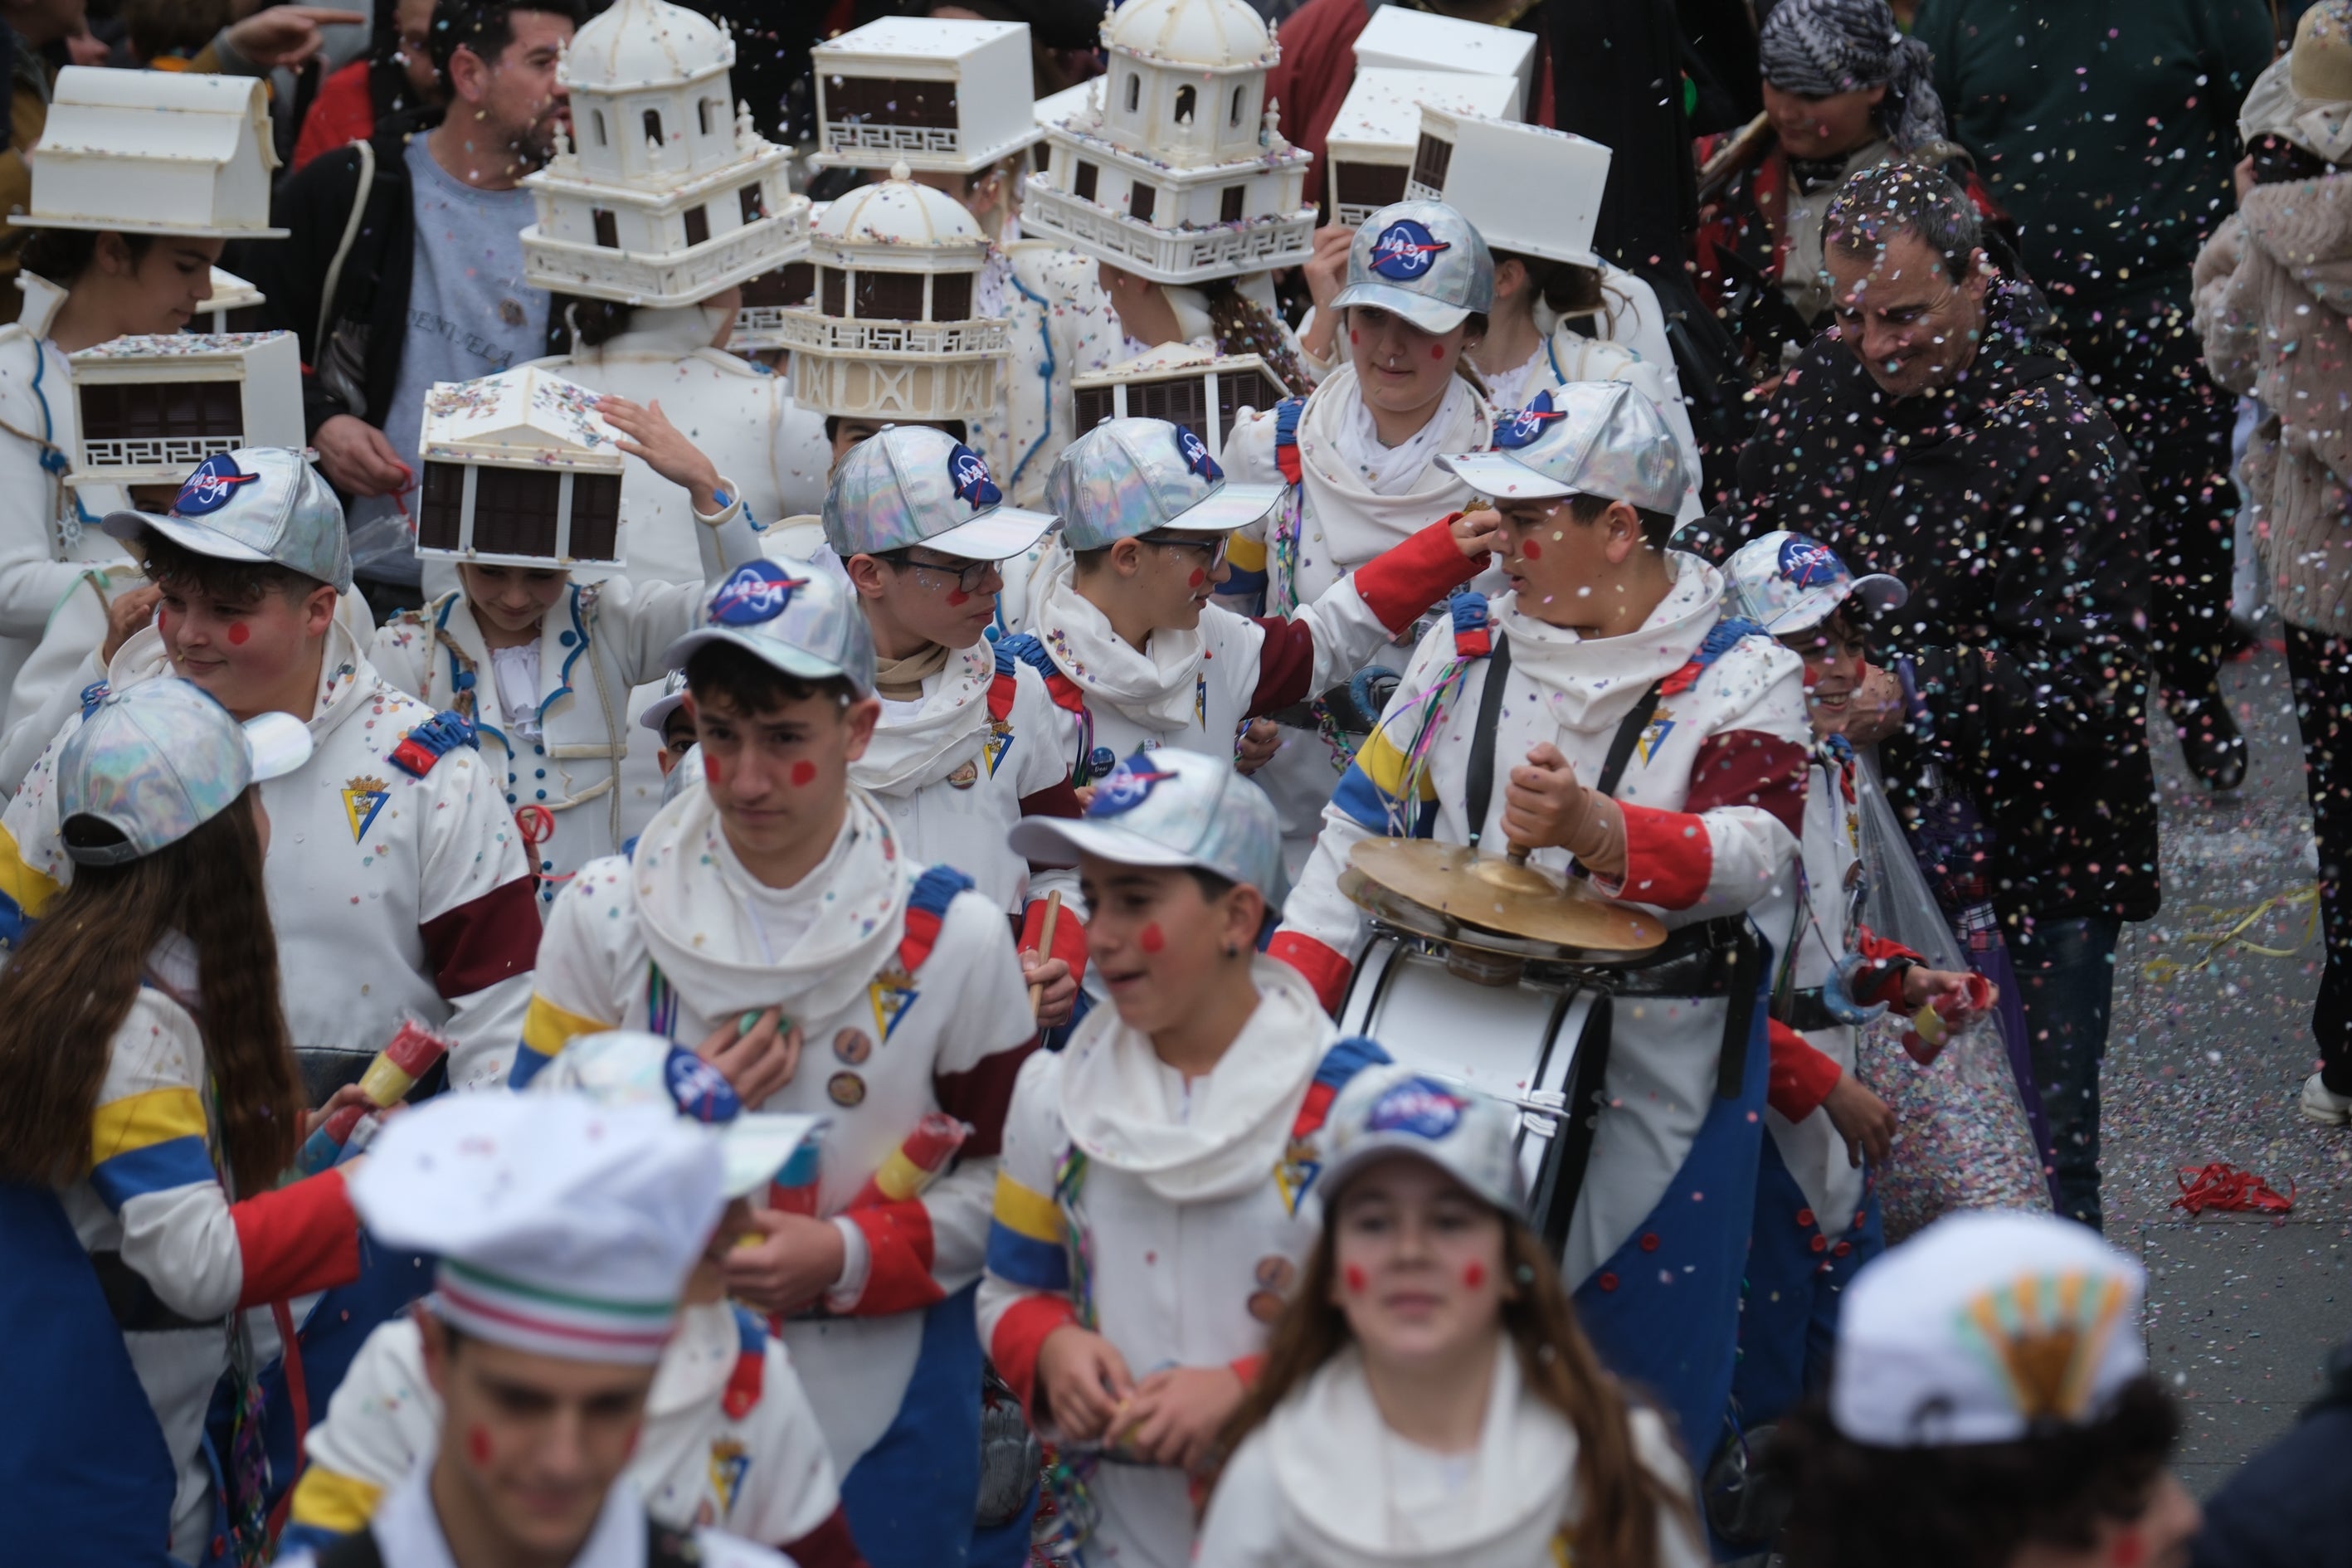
(1844, 90)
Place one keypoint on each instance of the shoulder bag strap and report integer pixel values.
(1480, 787)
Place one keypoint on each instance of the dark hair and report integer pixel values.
(750, 684)
(1657, 527)
(170, 563)
(593, 322)
(1567, 288)
(1243, 326)
(1973, 1506)
(1878, 203)
(159, 28)
(954, 427)
(1621, 1499)
(63, 255)
(70, 985)
(484, 27)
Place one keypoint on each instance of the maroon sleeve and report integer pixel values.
(1285, 665)
(1747, 767)
(982, 1097)
(1056, 800)
(829, 1545)
(484, 941)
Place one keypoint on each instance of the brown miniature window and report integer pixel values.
(148, 410)
(1248, 389)
(1180, 401)
(1043, 157)
(883, 100)
(697, 225)
(889, 296)
(1141, 201)
(514, 510)
(1430, 160)
(595, 517)
(1229, 206)
(1369, 185)
(952, 297)
(1233, 115)
(1186, 100)
(607, 235)
(753, 207)
(1094, 406)
(834, 282)
(1082, 181)
(653, 126)
(440, 508)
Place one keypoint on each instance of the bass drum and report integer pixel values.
(1521, 1042)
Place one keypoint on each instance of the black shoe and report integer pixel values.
(2209, 740)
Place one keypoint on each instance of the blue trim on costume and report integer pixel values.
(910, 1497)
(1788, 1324)
(750, 1332)
(526, 1065)
(16, 925)
(1044, 331)
(1368, 806)
(1025, 1261)
(53, 459)
(92, 696)
(1286, 421)
(1474, 633)
(436, 737)
(579, 646)
(936, 889)
(157, 1168)
(1241, 584)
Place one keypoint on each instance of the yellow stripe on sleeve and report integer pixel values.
(31, 890)
(141, 1120)
(546, 1027)
(325, 1500)
(1381, 762)
(1246, 553)
(1027, 1212)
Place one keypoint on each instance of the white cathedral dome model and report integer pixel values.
(1176, 170)
(660, 196)
(889, 332)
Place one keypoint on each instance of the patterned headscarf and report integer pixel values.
(1816, 47)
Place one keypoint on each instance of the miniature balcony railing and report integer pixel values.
(798, 327)
(870, 136)
(1176, 256)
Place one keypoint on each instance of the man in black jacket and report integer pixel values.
(1936, 434)
(403, 265)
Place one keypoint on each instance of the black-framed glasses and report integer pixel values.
(1215, 547)
(969, 575)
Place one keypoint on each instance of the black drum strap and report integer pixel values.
(1479, 787)
(1747, 961)
(1621, 746)
(1561, 1179)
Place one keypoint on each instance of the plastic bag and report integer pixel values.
(1962, 1139)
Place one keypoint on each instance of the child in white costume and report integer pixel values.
(543, 666)
(396, 881)
(1145, 1228)
(775, 886)
(1608, 719)
(1430, 1401)
(1133, 650)
(729, 1441)
(968, 744)
(1358, 456)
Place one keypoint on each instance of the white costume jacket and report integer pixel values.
(51, 548)
(911, 1000)
(598, 644)
(1194, 689)
(1325, 1484)
(1180, 1202)
(155, 1210)
(396, 880)
(1713, 798)
(1063, 326)
(729, 1441)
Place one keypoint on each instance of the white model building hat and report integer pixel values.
(152, 407)
(563, 1228)
(1370, 147)
(950, 94)
(1485, 167)
(165, 152)
(518, 469)
(1987, 1328)
(670, 196)
(1400, 37)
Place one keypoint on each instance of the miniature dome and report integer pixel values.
(898, 212)
(646, 43)
(1210, 32)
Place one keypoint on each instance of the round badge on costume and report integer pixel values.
(965, 776)
(846, 1090)
(853, 1046)
(1275, 1273)
(1264, 1306)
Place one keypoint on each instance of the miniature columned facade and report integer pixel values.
(1174, 168)
(150, 409)
(663, 195)
(890, 332)
(943, 94)
(1201, 391)
(518, 471)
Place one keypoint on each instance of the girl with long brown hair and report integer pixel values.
(146, 1075)
(1427, 1397)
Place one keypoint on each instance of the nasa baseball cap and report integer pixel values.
(1131, 477)
(1423, 261)
(807, 626)
(1398, 1109)
(912, 485)
(258, 503)
(1169, 807)
(1598, 439)
(1785, 581)
(159, 759)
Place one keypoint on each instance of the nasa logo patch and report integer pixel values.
(1406, 250)
(1417, 1106)
(753, 593)
(212, 486)
(967, 471)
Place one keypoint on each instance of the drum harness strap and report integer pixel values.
(1733, 954)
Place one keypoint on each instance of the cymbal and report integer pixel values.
(1492, 894)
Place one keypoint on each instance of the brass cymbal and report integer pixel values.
(1493, 893)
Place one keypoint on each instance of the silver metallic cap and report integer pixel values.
(159, 759)
(912, 484)
(258, 503)
(1170, 807)
(1421, 261)
(1131, 477)
(807, 626)
(1598, 439)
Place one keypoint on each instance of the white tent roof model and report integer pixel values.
(945, 94)
(527, 418)
(154, 153)
(1404, 40)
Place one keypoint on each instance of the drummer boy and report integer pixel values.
(1600, 716)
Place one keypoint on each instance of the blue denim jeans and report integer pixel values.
(2066, 981)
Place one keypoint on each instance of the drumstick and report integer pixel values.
(1045, 946)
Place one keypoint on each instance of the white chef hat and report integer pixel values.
(563, 1228)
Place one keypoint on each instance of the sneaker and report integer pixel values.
(2323, 1105)
(2209, 740)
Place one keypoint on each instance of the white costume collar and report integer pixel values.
(911, 750)
(1154, 688)
(1586, 682)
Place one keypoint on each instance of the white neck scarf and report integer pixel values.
(702, 933)
(1114, 1108)
(1156, 687)
(911, 750)
(1362, 516)
(1511, 388)
(1588, 683)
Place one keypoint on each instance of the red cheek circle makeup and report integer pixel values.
(1473, 1275)
(239, 633)
(957, 598)
(478, 1443)
(1355, 1277)
(2130, 1549)
(1437, 351)
(1198, 578)
(709, 768)
(802, 773)
(1152, 941)
(1531, 550)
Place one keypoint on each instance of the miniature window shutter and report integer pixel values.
(1082, 181)
(515, 510)
(952, 297)
(753, 208)
(697, 225)
(1142, 200)
(440, 508)
(1229, 209)
(595, 517)
(1431, 158)
(608, 233)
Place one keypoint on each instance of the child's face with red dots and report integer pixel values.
(1400, 368)
(1832, 651)
(1157, 939)
(1419, 1263)
(777, 777)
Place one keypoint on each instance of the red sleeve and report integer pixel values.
(1747, 767)
(1019, 1337)
(484, 941)
(1401, 583)
(898, 1244)
(299, 1239)
(1669, 858)
(1069, 935)
(1058, 800)
(829, 1545)
(981, 1097)
(1892, 960)
(1801, 1077)
(1325, 970)
(343, 113)
(1285, 665)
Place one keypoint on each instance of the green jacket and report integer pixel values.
(2108, 130)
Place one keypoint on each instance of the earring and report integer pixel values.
(1232, 950)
